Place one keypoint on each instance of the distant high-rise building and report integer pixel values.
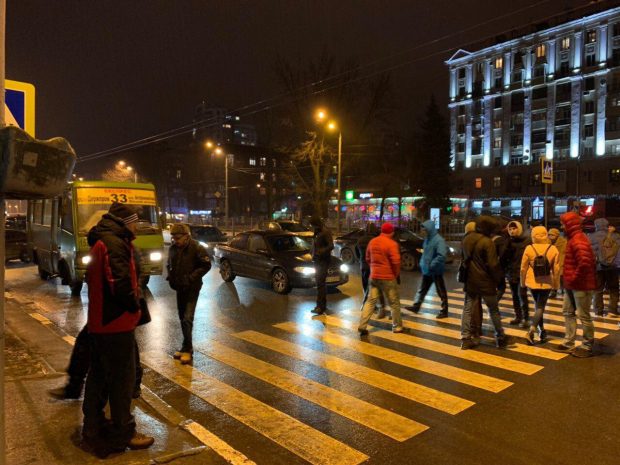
(222, 126)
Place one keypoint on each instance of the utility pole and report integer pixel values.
(339, 177)
(2, 241)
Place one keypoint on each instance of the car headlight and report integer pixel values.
(86, 259)
(344, 268)
(305, 270)
(451, 250)
(204, 244)
(155, 256)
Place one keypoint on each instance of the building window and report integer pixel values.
(273, 162)
(499, 63)
(497, 181)
(541, 51)
(616, 29)
(515, 182)
(460, 147)
(262, 176)
(590, 59)
(614, 175)
(497, 124)
(252, 161)
(564, 68)
(565, 43)
(178, 174)
(273, 177)
(539, 93)
(478, 183)
(588, 130)
(591, 36)
(497, 142)
(263, 161)
(535, 180)
(589, 107)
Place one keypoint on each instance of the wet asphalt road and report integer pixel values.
(565, 411)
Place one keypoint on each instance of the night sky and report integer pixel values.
(112, 72)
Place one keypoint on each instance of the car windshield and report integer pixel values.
(288, 243)
(293, 227)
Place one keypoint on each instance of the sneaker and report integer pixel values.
(529, 336)
(177, 355)
(467, 344)
(582, 352)
(186, 357)
(363, 332)
(140, 441)
(514, 322)
(415, 308)
(398, 329)
(318, 310)
(67, 392)
(543, 336)
(503, 341)
(441, 315)
(563, 348)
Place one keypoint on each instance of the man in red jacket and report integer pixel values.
(113, 313)
(579, 282)
(383, 255)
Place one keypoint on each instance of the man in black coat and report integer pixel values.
(511, 262)
(484, 277)
(188, 262)
(321, 256)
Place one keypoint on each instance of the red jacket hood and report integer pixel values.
(571, 222)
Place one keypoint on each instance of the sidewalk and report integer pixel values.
(43, 430)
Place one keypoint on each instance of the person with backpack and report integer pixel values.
(511, 263)
(540, 272)
(560, 243)
(579, 283)
(605, 243)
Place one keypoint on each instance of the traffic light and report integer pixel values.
(33, 168)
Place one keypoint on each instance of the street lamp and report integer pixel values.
(219, 151)
(321, 115)
(135, 173)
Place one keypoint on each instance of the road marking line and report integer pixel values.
(418, 393)
(456, 334)
(295, 436)
(40, 318)
(390, 424)
(69, 339)
(442, 370)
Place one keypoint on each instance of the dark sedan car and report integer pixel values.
(16, 246)
(208, 236)
(410, 247)
(280, 258)
(287, 225)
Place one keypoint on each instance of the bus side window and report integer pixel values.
(47, 212)
(37, 216)
(66, 215)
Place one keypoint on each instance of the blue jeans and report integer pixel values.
(577, 305)
(471, 301)
(186, 305)
(389, 290)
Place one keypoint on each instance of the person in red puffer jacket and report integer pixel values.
(579, 282)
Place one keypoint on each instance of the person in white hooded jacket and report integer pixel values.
(540, 280)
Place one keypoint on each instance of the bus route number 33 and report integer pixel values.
(120, 198)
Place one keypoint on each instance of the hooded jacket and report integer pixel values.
(579, 261)
(560, 244)
(540, 246)
(433, 260)
(597, 238)
(511, 258)
(113, 291)
(484, 273)
(383, 255)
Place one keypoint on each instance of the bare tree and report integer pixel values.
(118, 174)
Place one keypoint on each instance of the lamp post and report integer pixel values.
(321, 115)
(135, 173)
(219, 151)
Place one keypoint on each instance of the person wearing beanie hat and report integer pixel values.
(470, 227)
(540, 272)
(322, 247)
(383, 255)
(113, 314)
(605, 243)
(188, 262)
(579, 284)
(560, 243)
(511, 263)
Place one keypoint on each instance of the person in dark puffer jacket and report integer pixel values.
(188, 262)
(579, 282)
(511, 262)
(113, 313)
(484, 277)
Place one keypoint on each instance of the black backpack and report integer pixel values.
(541, 265)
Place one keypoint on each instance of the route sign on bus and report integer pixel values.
(19, 105)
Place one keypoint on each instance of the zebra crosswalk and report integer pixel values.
(423, 370)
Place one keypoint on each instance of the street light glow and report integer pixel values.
(121, 163)
(321, 114)
(209, 144)
(332, 126)
(218, 151)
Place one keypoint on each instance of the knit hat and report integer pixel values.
(387, 228)
(554, 232)
(179, 228)
(124, 212)
(470, 227)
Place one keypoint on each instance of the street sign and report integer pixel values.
(547, 171)
(19, 105)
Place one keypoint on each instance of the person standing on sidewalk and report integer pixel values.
(579, 284)
(113, 313)
(540, 272)
(433, 266)
(483, 278)
(511, 262)
(606, 244)
(321, 256)
(188, 262)
(560, 243)
(383, 254)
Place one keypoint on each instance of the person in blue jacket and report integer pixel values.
(432, 264)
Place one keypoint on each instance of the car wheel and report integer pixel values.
(280, 282)
(346, 255)
(226, 271)
(76, 287)
(408, 261)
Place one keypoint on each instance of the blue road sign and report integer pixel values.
(19, 105)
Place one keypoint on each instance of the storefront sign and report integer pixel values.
(366, 195)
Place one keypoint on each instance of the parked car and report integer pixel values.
(410, 247)
(16, 245)
(278, 257)
(16, 222)
(208, 236)
(287, 225)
